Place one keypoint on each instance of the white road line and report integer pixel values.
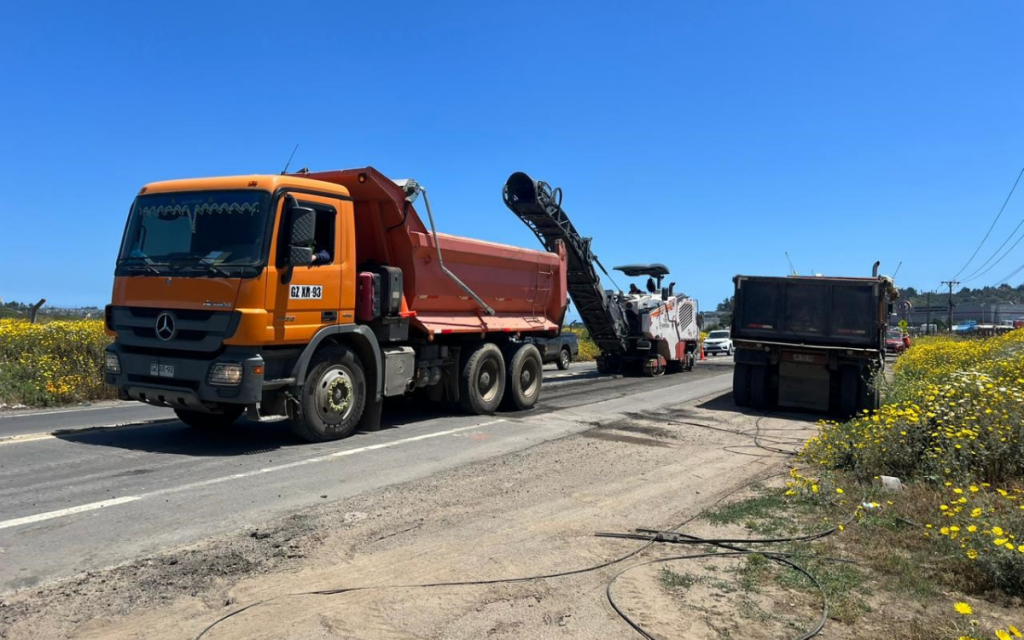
(49, 515)
(237, 476)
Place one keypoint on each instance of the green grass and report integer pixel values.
(672, 580)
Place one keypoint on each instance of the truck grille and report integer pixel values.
(193, 330)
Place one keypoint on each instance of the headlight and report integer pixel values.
(226, 374)
(112, 363)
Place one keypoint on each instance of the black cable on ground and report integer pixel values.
(775, 557)
(675, 537)
(463, 583)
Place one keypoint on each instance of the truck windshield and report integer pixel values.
(204, 231)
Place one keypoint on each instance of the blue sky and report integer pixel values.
(710, 136)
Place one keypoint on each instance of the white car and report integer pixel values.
(718, 342)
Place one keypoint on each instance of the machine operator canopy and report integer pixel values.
(655, 270)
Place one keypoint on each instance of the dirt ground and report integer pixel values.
(532, 513)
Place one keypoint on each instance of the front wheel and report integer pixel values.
(564, 359)
(226, 417)
(333, 396)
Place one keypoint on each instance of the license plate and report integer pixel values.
(162, 370)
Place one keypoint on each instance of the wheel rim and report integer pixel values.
(529, 377)
(487, 379)
(565, 358)
(335, 395)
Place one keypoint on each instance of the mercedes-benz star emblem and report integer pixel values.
(165, 329)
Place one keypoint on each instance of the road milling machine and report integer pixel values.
(652, 331)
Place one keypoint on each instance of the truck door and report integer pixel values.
(302, 299)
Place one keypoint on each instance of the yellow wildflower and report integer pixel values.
(963, 608)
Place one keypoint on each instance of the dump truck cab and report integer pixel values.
(228, 290)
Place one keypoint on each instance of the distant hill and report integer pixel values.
(966, 295)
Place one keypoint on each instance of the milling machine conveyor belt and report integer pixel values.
(540, 208)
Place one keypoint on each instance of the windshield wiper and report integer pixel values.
(138, 263)
(209, 267)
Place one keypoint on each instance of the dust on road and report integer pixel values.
(525, 514)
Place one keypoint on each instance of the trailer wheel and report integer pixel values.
(759, 386)
(691, 360)
(849, 384)
(870, 397)
(482, 379)
(607, 364)
(523, 377)
(741, 384)
(198, 420)
(333, 396)
(564, 359)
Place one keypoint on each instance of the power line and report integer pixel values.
(993, 226)
(1013, 273)
(975, 277)
(978, 272)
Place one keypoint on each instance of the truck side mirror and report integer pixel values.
(301, 233)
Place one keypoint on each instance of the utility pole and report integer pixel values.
(928, 322)
(950, 284)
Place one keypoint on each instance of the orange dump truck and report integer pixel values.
(317, 295)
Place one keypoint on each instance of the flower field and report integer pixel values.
(52, 363)
(952, 425)
(954, 411)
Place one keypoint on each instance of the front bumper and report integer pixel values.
(716, 348)
(140, 379)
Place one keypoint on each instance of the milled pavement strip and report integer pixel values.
(237, 476)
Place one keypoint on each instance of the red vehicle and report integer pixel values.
(894, 342)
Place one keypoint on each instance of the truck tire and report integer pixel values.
(523, 378)
(333, 396)
(211, 421)
(564, 359)
(759, 387)
(741, 384)
(849, 391)
(482, 379)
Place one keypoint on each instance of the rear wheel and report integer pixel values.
(482, 379)
(759, 386)
(223, 419)
(849, 383)
(523, 377)
(741, 384)
(564, 359)
(333, 397)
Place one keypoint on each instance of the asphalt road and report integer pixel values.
(91, 487)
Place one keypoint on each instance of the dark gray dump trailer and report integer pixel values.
(810, 342)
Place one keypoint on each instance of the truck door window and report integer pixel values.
(324, 240)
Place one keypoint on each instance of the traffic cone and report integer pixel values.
(702, 356)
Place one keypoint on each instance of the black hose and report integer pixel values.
(775, 557)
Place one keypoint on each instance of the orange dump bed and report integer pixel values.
(526, 289)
